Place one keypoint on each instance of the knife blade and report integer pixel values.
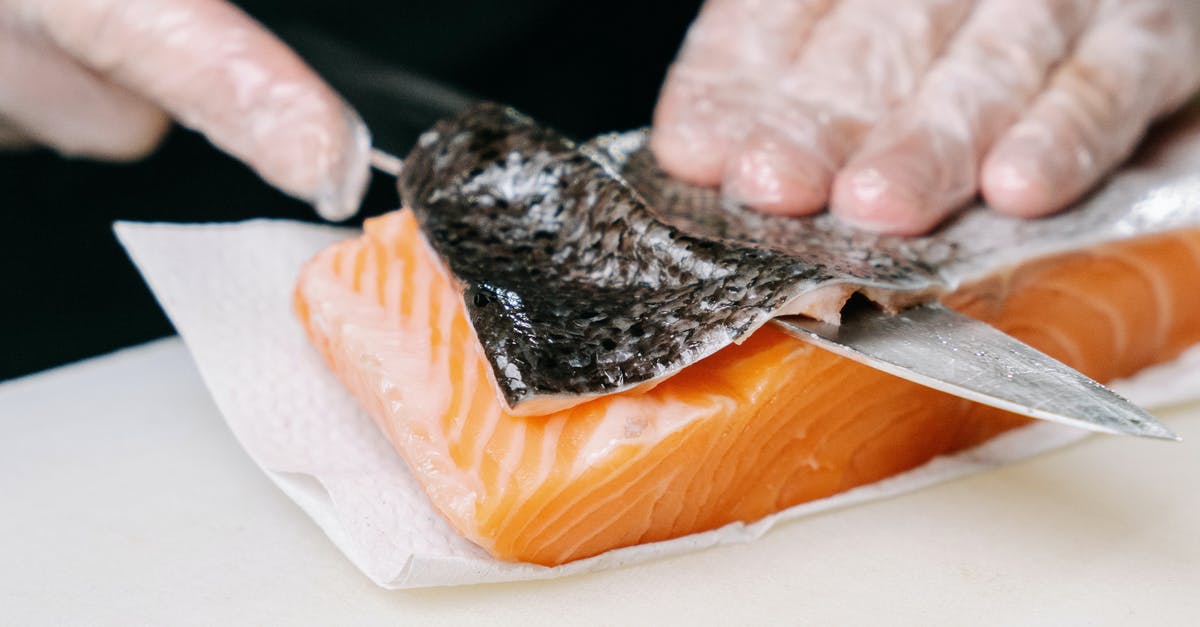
(928, 344)
(940, 348)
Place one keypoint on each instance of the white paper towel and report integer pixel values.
(228, 287)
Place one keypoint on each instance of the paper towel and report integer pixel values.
(227, 288)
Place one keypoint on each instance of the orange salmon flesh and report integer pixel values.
(751, 430)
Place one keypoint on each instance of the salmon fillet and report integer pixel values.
(756, 428)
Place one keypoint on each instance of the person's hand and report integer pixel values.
(101, 78)
(895, 113)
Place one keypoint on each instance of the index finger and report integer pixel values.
(216, 70)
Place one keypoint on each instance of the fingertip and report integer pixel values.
(695, 124)
(688, 153)
(870, 199)
(777, 178)
(1019, 186)
(340, 193)
(305, 140)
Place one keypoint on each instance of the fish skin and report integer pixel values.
(585, 271)
(572, 284)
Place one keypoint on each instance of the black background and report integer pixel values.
(70, 292)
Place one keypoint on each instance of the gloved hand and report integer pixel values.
(898, 112)
(101, 78)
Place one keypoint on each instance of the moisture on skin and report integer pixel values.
(586, 271)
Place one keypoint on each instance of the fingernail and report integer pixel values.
(1015, 182)
(867, 199)
(1029, 175)
(774, 179)
(688, 152)
(1008, 178)
(338, 197)
(1017, 188)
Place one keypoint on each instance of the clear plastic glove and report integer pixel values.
(896, 113)
(101, 78)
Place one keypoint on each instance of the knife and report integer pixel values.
(928, 344)
(937, 347)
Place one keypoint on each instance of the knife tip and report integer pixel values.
(1171, 436)
(1157, 431)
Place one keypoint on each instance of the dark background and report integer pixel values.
(69, 290)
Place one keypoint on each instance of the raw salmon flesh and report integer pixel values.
(751, 430)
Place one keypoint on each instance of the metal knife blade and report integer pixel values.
(928, 344)
(937, 347)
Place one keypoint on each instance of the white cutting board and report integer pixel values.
(127, 501)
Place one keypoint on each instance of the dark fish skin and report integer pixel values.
(575, 287)
(586, 271)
